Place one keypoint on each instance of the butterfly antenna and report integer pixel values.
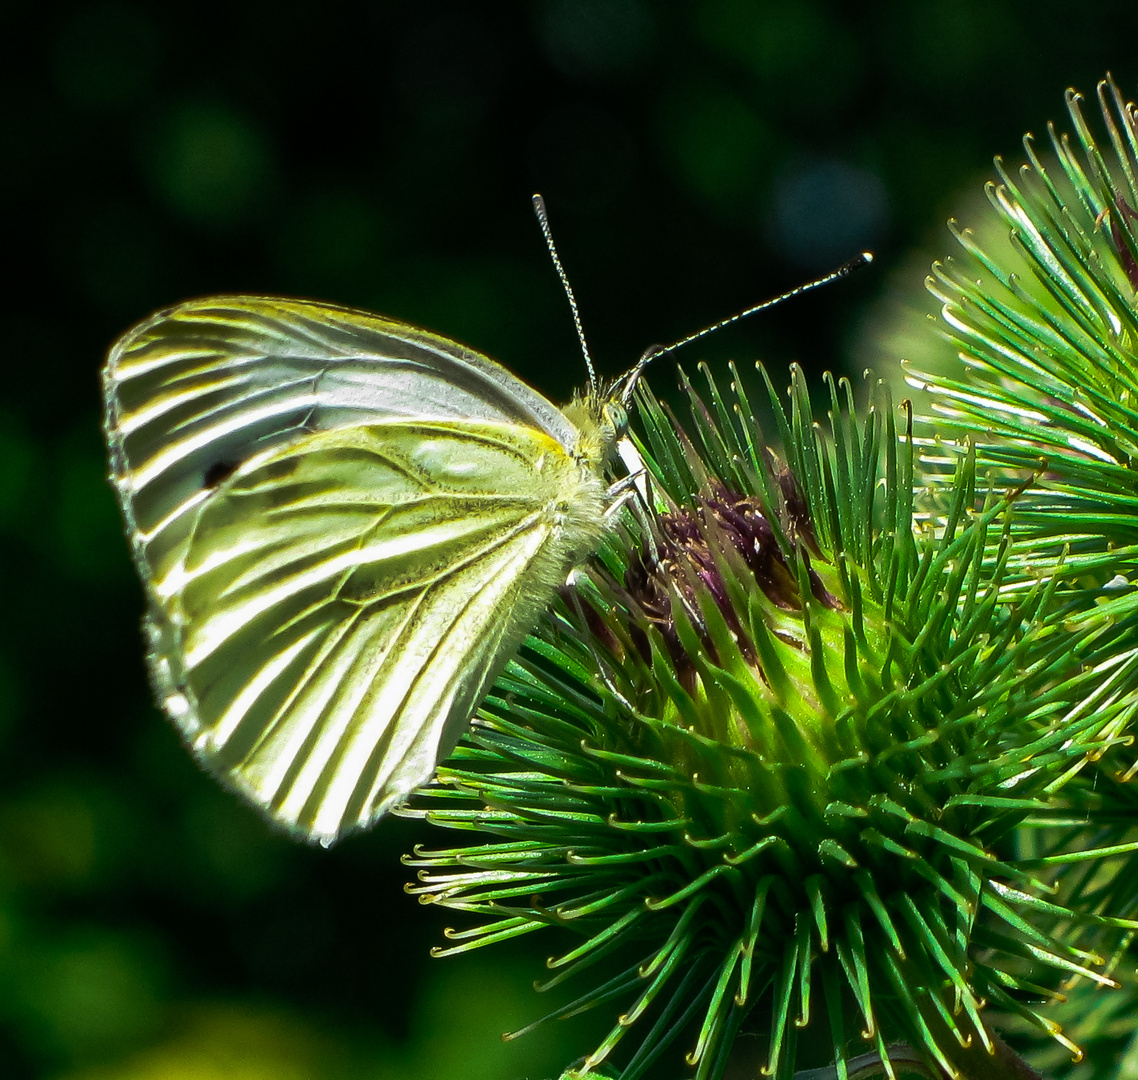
(543, 221)
(863, 258)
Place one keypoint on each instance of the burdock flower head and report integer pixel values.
(787, 805)
(807, 758)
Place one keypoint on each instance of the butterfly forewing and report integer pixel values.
(346, 527)
(194, 391)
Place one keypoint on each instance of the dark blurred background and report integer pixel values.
(696, 156)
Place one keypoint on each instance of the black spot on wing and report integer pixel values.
(218, 473)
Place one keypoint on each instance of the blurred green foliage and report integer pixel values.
(695, 156)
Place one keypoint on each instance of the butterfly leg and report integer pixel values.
(634, 491)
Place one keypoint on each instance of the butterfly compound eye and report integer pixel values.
(616, 416)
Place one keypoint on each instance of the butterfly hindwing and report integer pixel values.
(342, 604)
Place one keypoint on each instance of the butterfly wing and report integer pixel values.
(197, 389)
(346, 526)
(342, 604)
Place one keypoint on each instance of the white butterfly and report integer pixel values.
(345, 526)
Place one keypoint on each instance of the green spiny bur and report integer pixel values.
(807, 789)
(858, 771)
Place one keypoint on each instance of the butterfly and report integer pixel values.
(345, 527)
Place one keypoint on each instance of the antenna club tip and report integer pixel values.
(862, 258)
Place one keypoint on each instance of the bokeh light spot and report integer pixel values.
(717, 141)
(212, 165)
(89, 992)
(492, 996)
(825, 211)
(48, 837)
(225, 1042)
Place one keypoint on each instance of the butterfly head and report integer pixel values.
(601, 420)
